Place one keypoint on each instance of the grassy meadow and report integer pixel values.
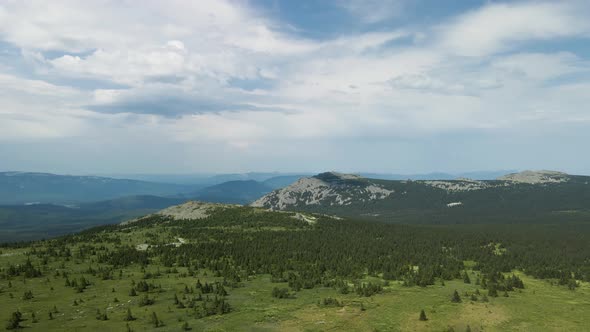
(541, 306)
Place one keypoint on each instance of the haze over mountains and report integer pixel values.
(41, 205)
(34, 187)
(37, 205)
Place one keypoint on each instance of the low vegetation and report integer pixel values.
(271, 271)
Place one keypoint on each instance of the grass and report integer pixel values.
(540, 307)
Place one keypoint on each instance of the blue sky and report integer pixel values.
(234, 86)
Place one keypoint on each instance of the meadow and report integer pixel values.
(49, 296)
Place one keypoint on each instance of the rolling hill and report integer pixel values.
(519, 197)
(232, 192)
(23, 187)
(218, 267)
(37, 221)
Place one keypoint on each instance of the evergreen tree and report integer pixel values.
(129, 317)
(456, 298)
(154, 320)
(423, 316)
(466, 278)
(14, 321)
(493, 291)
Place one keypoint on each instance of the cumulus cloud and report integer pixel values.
(500, 26)
(183, 77)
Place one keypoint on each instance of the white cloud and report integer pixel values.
(186, 78)
(497, 27)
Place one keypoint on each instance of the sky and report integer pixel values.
(392, 86)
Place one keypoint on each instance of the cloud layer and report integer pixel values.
(110, 86)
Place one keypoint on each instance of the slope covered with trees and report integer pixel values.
(262, 269)
(556, 198)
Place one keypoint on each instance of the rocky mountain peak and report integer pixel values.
(536, 177)
(330, 188)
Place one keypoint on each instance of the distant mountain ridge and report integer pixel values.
(515, 197)
(36, 221)
(26, 187)
(232, 192)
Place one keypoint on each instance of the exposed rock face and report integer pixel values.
(191, 210)
(329, 188)
(457, 185)
(188, 210)
(536, 177)
(530, 177)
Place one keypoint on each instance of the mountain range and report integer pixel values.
(529, 196)
(28, 188)
(40, 205)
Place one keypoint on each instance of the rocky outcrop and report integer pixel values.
(536, 177)
(191, 210)
(330, 188)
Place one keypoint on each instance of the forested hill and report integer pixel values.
(214, 267)
(530, 196)
(46, 188)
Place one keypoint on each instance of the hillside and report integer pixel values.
(37, 221)
(519, 197)
(232, 192)
(22, 188)
(214, 267)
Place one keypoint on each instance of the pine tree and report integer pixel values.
(456, 298)
(14, 321)
(129, 316)
(493, 291)
(155, 321)
(466, 278)
(423, 316)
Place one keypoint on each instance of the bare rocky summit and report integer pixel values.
(331, 188)
(349, 194)
(536, 177)
(188, 210)
(191, 210)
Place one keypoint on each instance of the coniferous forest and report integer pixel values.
(243, 265)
